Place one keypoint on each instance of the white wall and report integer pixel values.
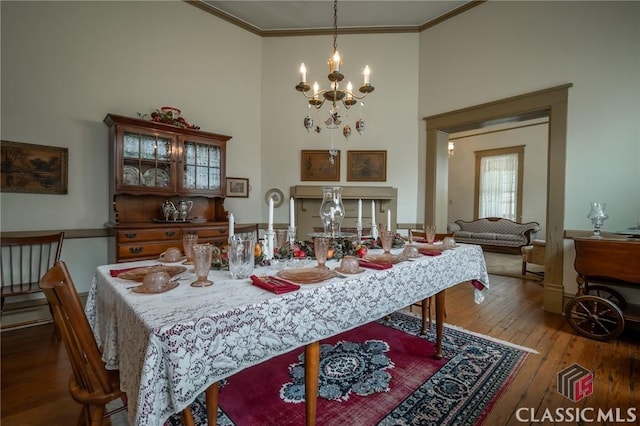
(462, 171)
(502, 49)
(65, 65)
(390, 112)
(507, 48)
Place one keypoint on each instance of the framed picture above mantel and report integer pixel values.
(315, 165)
(367, 166)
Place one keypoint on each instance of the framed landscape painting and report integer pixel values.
(316, 166)
(33, 168)
(367, 166)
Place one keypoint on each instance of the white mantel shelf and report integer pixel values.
(308, 199)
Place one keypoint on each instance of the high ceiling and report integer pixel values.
(266, 16)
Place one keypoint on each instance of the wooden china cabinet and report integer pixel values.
(152, 163)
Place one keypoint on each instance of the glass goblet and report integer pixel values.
(188, 241)
(430, 233)
(202, 254)
(386, 239)
(321, 249)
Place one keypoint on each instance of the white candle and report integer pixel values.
(292, 213)
(270, 228)
(359, 212)
(231, 225)
(388, 220)
(373, 212)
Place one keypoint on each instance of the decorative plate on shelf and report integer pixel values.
(155, 177)
(277, 195)
(131, 176)
(306, 275)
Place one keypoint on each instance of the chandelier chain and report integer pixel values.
(335, 26)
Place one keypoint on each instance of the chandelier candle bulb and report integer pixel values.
(334, 64)
(303, 73)
(367, 73)
(349, 90)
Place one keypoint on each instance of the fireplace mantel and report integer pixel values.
(308, 199)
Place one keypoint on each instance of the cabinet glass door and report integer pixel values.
(147, 161)
(202, 167)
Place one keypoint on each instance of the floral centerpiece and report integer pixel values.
(338, 248)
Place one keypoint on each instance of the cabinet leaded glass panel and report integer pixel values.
(202, 166)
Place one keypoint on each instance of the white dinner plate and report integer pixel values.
(155, 177)
(131, 176)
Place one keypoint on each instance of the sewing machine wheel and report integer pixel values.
(594, 317)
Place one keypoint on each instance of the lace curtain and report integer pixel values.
(498, 186)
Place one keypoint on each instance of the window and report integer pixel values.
(498, 188)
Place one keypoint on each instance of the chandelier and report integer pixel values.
(334, 94)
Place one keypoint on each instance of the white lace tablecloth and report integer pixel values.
(170, 347)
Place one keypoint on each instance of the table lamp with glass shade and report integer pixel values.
(597, 214)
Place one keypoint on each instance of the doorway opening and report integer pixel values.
(551, 103)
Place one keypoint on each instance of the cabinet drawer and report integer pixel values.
(144, 251)
(209, 233)
(135, 235)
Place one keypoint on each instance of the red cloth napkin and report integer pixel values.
(274, 284)
(116, 272)
(477, 284)
(373, 265)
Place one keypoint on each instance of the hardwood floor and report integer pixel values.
(35, 369)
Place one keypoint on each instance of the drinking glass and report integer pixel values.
(188, 241)
(202, 254)
(281, 238)
(241, 256)
(430, 233)
(386, 239)
(321, 249)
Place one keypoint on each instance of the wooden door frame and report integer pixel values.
(551, 103)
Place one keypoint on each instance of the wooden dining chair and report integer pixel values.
(25, 260)
(91, 384)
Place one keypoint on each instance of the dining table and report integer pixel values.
(169, 347)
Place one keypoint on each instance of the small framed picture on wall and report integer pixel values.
(237, 187)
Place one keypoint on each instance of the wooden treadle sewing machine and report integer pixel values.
(598, 311)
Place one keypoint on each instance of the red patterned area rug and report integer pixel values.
(382, 373)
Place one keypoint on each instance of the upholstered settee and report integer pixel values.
(494, 233)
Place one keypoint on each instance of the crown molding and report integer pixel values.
(203, 5)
